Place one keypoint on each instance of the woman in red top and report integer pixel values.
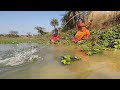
(55, 37)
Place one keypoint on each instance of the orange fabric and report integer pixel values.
(79, 35)
(87, 34)
(82, 33)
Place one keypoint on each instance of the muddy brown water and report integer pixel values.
(105, 65)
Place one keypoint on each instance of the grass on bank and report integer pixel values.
(11, 40)
(98, 41)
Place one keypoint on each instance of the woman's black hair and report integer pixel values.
(81, 19)
(56, 30)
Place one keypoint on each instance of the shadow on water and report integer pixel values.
(101, 66)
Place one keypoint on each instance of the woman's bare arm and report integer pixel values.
(88, 25)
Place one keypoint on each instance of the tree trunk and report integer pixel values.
(54, 27)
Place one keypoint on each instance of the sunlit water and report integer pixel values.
(33, 61)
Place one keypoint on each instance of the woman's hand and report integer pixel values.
(90, 22)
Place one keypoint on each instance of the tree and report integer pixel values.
(59, 28)
(65, 18)
(28, 34)
(54, 22)
(72, 14)
(13, 33)
(70, 18)
(40, 30)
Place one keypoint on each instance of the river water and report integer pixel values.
(36, 61)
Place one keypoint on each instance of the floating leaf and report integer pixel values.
(77, 57)
(68, 63)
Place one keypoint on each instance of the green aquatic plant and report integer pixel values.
(90, 53)
(67, 59)
(117, 46)
(77, 57)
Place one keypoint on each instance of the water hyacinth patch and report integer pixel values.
(66, 59)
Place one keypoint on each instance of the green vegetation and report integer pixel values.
(13, 40)
(98, 41)
(54, 23)
(66, 60)
(102, 40)
(40, 30)
(13, 34)
(70, 19)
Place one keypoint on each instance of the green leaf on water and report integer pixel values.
(77, 57)
(65, 56)
(68, 63)
(67, 59)
(90, 53)
(62, 61)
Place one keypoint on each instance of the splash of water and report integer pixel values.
(21, 56)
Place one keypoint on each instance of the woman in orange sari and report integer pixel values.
(83, 32)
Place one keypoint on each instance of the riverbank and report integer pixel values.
(14, 40)
(98, 41)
